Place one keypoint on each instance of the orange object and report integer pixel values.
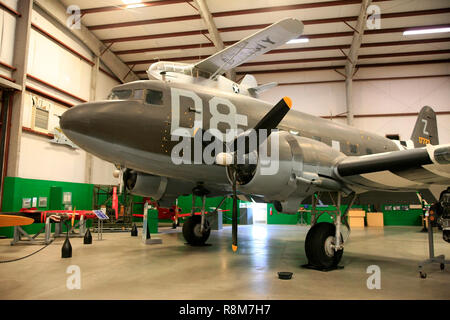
(356, 218)
(375, 219)
(12, 221)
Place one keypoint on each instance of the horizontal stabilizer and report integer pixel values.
(259, 89)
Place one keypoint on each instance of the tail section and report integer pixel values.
(425, 131)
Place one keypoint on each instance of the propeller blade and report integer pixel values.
(275, 115)
(234, 222)
(269, 122)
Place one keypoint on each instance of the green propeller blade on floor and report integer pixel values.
(269, 122)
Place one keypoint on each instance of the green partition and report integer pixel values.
(15, 189)
(401, 215)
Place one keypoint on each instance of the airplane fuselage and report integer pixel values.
(136, 132)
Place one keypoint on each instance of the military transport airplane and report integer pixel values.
(142, 128)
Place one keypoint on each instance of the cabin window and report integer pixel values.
(353, 148)
(119, 95)
(154, 97)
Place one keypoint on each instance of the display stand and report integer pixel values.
(101, 216)
(432, 258)
(72, 232)
(22, 237)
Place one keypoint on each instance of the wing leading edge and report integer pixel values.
(403, 169)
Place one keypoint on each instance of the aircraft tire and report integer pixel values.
(192, 233)
(317, 246)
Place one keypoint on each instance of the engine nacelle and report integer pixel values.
(302, 166)
(159, 188)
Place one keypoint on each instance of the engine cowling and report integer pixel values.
(301, 166)
(159, 188)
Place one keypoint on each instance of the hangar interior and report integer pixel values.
(51, 61)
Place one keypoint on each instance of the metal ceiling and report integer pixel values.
(174, 30)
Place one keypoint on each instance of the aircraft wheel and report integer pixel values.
(192, 231)
(442, 266)
(318, 246)
(423, 275)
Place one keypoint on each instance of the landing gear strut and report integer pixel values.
(196, 229)
(324, 244)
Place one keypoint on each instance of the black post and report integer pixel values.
(134, 231)
(87, 237)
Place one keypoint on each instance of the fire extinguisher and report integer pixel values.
(271, 211)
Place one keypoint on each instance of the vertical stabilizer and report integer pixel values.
(425, 131)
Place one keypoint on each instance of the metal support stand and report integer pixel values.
(313, 210)
(202, 226)
(72, 233)
(22, 237)
(100, 229)
(432, 258)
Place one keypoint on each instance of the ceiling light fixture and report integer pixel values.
(301, 40)
(133, 3)
(425, 31)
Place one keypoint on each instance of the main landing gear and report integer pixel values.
(196, 229)
(324, 244)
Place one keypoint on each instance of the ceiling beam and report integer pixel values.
(234, 12)
(322, 68)
(239, 28)
(352, 58)
(306, 60)
(57, 10)
(214, 34)
(203, 9)
(290, 50)
(124, 6)
(305, 22)
(372, 65)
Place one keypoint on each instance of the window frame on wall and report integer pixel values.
(42, 106)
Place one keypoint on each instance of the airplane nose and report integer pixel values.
(76, 118)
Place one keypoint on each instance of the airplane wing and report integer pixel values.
(257, 44)
(403, 169)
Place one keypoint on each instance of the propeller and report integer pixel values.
(269, 122)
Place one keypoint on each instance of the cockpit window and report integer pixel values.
(154, 97)
(138, 94)
(119, 95)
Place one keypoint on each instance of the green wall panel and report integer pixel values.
(410, 217)
(15, 189)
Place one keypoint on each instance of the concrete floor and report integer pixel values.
(122, 267)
